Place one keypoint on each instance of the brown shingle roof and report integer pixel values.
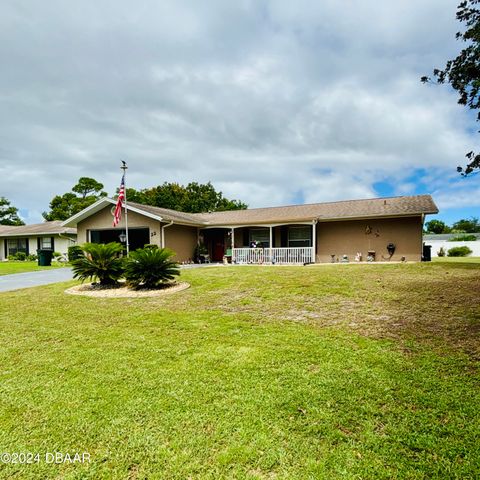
(53, 227)
(168, 214)
(349, 209)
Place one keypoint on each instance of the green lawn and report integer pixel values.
(457, 259)
(322, 372)
(19, 267)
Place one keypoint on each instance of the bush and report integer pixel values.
(459, 252)
(32, 257)
(200, 250)
(100, 262)
(441, 252)
(19, 256)
(74, 252)
(464, 238)
(150, 267)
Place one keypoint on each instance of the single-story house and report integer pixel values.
(29, 238)
(374, 229)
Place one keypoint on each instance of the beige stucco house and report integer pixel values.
(377, 229)
(29, 238)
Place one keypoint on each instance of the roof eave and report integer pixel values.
(368, 217)
(30, 234)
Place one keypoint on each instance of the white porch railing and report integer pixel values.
(281, 256)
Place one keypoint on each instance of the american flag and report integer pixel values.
(117, 214)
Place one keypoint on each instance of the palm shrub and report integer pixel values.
(150, 267)
(100, 262)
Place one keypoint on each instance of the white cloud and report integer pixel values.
(270, 101)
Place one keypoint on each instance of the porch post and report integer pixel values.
(270, 245)
(233, 239)
(314, 241)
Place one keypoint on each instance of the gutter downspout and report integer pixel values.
(163, 227)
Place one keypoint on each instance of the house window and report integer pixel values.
(300, 236)
(46, 243)
(15, 245)
(261, 236)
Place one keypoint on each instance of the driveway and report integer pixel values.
(34, 279)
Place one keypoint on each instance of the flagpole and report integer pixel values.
(124, 168)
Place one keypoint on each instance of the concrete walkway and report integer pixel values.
(34, 279)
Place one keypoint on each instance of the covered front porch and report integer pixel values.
(287, 244)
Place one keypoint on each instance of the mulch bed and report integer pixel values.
(121, 291)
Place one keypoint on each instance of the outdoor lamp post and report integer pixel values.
(122, 237)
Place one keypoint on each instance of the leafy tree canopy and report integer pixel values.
(463, 72)
(193, 198)
(83, 194)
(87, 185)
(468, 226)
(437, 226)
(8, 213)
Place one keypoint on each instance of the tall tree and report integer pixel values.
(8, 213)
(85, 192)
(193, 198)
(437, 226)
(86, 186)
(463, 72)
(468, 226)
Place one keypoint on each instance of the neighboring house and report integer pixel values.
(443, 240)
(29, 238)
(319, 232)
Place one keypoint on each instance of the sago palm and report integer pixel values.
(150, 267)
(99, 262)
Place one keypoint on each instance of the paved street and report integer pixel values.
(34, 279)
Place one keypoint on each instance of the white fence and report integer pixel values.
(280, 256)
(437, 244)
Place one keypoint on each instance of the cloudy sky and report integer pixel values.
(275, 102)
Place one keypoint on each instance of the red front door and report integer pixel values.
(218, 250)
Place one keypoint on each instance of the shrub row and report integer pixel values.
(22, 257)
(455, 252)
(149, 267)
(466, 237)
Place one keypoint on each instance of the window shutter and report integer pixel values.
(28, 246)
(53, 243)
(38, 243)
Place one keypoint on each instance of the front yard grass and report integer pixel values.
(341, 371)
(457, 259)
(9, 267)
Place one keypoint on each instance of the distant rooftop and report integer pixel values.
(45, 228)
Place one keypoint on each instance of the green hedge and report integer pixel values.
(459, 252)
